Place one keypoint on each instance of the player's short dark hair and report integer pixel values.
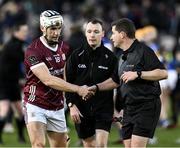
(96, 21)
(125, 25)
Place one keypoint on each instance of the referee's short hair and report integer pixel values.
(96, 21)
(125, 25)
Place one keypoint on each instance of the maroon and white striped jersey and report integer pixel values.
(35, 91)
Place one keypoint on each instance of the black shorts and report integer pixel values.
(142, 119)
(10, 92)
(88, 125)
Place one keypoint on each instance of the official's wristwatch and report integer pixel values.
(139, 73)
(70, 105)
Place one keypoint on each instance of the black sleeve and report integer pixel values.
(70, 74)
(151, 60)
(115, 76)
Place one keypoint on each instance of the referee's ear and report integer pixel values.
(103, 33)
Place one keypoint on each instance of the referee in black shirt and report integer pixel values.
(89, 64)
(138, 73)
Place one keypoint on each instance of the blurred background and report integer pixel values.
(158, 26)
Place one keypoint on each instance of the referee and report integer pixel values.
(89, 64)
(138, 73)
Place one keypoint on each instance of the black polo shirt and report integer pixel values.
(86, 66)
(138, 57)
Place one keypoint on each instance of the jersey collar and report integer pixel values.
(49, 47)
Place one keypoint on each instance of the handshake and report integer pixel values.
(87, 92)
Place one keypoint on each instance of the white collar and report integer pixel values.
(45, 44)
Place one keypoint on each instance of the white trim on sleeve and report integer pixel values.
(37, 65)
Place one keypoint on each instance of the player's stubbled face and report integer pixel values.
(53, 33)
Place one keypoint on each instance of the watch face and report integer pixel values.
(70, 104)
(139, 74)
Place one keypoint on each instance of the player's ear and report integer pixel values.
(42, 28)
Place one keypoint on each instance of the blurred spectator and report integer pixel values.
(175, 95)
(10, 13)
(11, 59)
(77, 37)
(140, 34)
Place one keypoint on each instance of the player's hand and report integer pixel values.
(85, 93)
(93, 88)
(75, 114)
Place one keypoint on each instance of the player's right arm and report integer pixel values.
(42, 72)
(34, 60)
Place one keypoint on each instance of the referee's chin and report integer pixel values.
(115, 45)
(94, 46)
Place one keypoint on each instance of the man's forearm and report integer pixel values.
(60, 84)
(154, 75)
(108, 84)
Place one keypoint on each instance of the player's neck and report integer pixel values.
(47, 45)
(50, 43)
